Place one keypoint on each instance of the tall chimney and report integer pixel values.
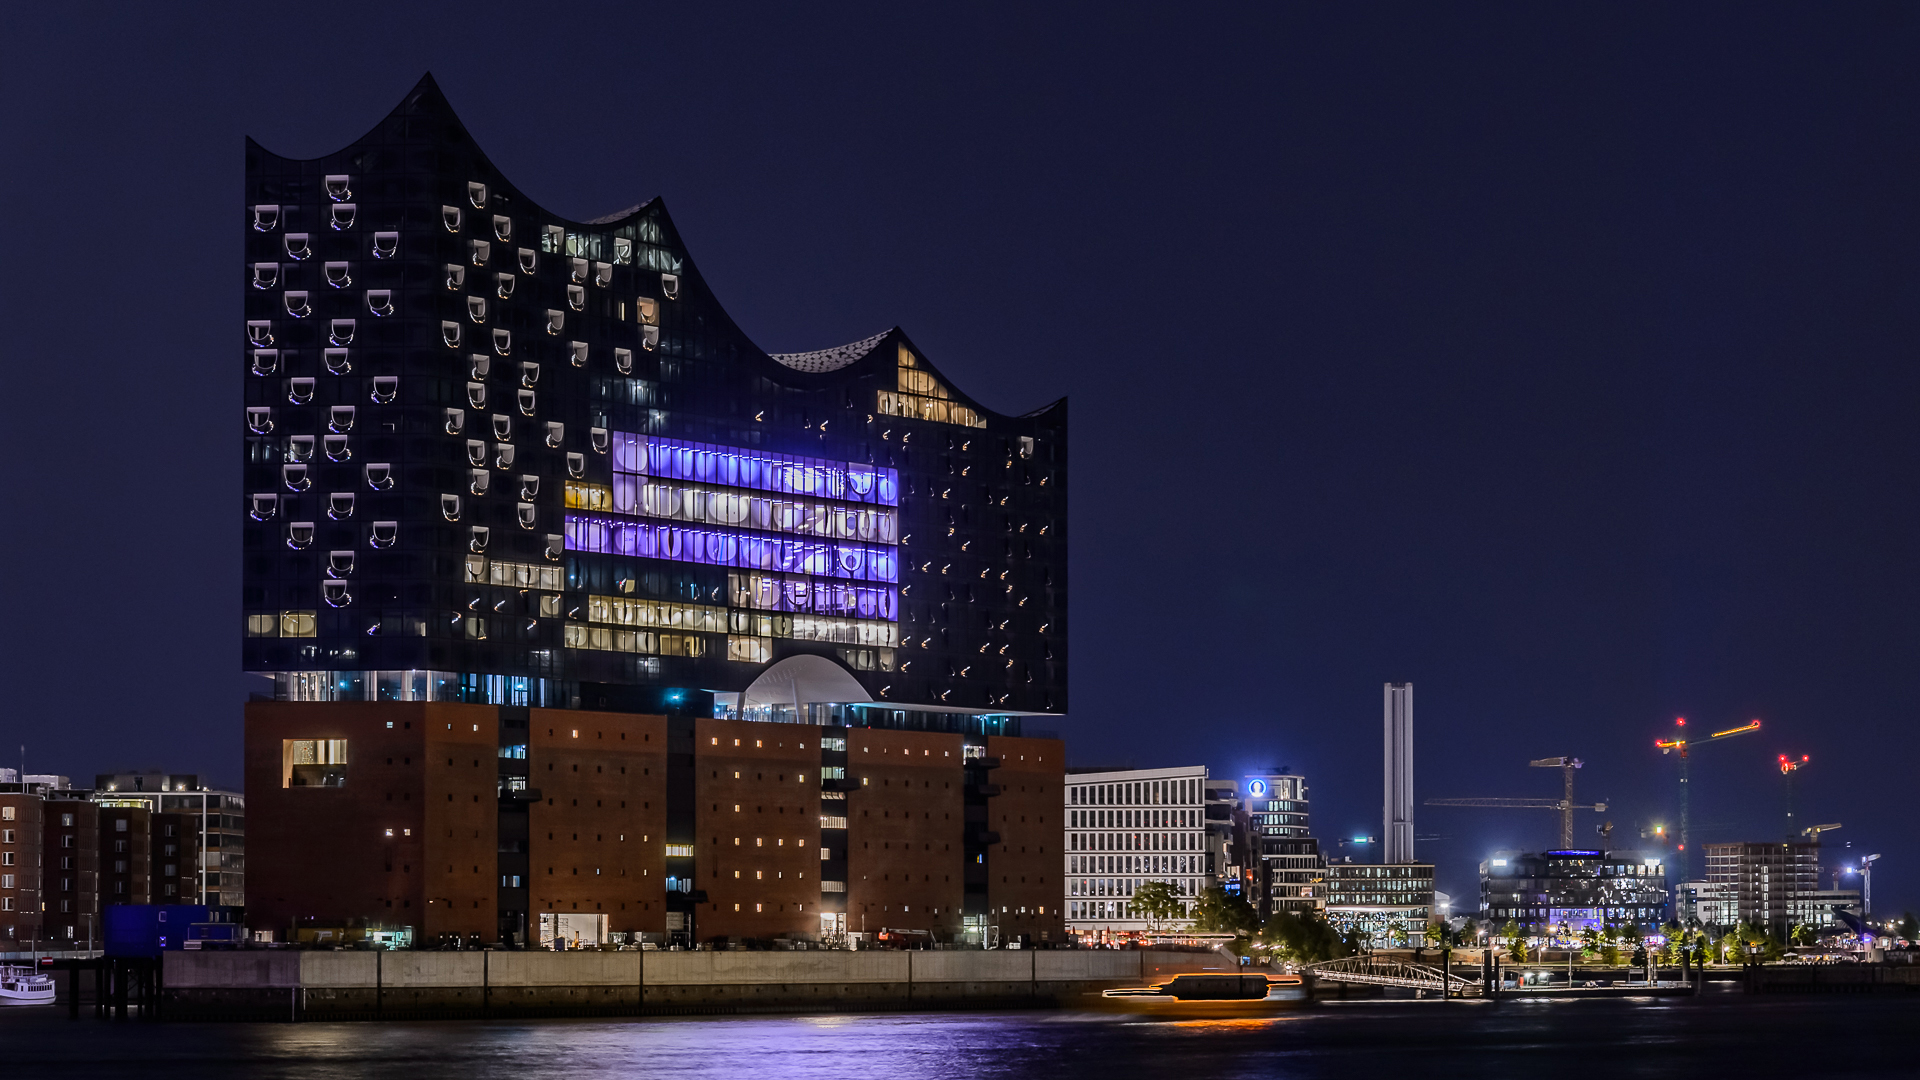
(1398, 839)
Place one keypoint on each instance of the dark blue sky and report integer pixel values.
(1557, 358)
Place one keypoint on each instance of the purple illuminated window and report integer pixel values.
(718, 547)
(680, 460)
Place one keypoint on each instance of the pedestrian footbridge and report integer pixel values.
(1372, 971)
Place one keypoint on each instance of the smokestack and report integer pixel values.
(1398, 824)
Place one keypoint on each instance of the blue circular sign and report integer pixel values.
(1257, 788)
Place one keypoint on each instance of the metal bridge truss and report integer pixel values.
(1380, 972)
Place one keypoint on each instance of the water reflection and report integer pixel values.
(1615, 1039)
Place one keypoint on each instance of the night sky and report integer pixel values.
(1557, 358)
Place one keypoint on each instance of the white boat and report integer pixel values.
(21, 985)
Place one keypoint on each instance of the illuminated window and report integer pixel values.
(313, 763)
(923, 396)
(583, 496)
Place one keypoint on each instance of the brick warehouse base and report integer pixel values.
(280, 986)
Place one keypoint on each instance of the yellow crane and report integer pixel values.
(1684, 746)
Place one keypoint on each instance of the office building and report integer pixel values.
(1775, 885)
(1128, 827)
(1290, 872)
(1397, 817)
(65, 858)
(1556, 891)
(499, 458)
(1225, 835)
(1385, 904)
(217, 819)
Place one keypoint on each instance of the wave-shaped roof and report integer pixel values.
(835, 358)
(427, 99)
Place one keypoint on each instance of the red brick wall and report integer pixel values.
(462, 820)
(757, 809)
(20, 860)
(325, 853)
(125, 839)
(176, 844)
(72, 856)
(598, 833)
(905, 825)
(1024, 889)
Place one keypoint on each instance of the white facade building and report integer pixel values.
(1125, 828)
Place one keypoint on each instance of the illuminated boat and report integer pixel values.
(1211, 995)
(25, 986)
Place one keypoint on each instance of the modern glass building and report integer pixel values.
(1559, 892)
(498, 456)
(1291, 869)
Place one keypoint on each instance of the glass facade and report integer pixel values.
(1575, 890)
(1387, 903)
(494, 455)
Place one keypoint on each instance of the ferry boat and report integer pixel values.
(20, 985)
(1208, 995)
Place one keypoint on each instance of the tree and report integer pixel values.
(1749, 936)
(1610, 939)
(1436, 933)
(1676, 942)
(1158, 901)
(1219, 912)
(1469, 933)
(1302, 938)
(1515, 941)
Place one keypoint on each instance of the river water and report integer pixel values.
(1719, 1037)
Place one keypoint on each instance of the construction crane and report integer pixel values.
(1812, 832)
(1685, 746)
(1789, 772)
(1566, 805)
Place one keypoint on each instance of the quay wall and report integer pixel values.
(303, 985)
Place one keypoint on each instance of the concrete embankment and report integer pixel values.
(1831, 978)
(300, 985)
